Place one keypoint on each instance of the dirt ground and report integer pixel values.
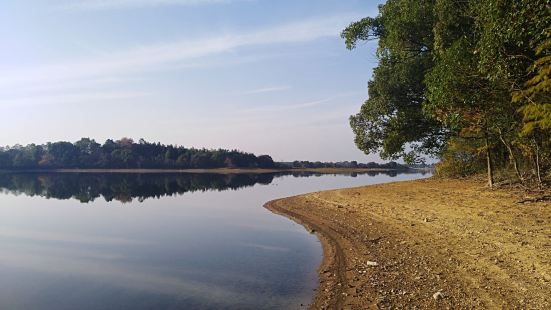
(429, 243)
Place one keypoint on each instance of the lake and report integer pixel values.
(159, 241)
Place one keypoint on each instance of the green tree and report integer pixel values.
(447, 72)
(392, 121)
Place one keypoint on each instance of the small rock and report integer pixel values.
(438, 295)
(371, 264)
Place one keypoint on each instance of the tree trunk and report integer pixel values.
(489, 163)
(538, 172)
(512, 157)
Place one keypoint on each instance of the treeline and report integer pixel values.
(344, 164)
(468, 82)
(124, 154)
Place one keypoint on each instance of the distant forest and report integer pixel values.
(124, 154)
(343, 164)
(127, 154)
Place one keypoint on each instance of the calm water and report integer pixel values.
(193, 241)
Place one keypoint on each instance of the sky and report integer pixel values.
(262, 76)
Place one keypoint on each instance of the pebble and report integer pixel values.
(438, 295)
(371, 264)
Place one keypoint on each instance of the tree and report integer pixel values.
(265, 161)
(89, 152)
(63, 154)
(392, 121)
(122, 154)
(535, 98)
(446, 75)
(535, 95)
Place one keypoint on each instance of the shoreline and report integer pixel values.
(214, 170)
(427, 243)
(332, 257)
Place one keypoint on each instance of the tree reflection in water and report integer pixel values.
(125, 187)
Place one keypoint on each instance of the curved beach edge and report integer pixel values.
(326, 296)
(429, 243)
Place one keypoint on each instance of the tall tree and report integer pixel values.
(448, 71)
(392, 121)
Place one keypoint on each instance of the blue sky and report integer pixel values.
(263, 76)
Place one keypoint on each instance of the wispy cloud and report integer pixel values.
(125, 4)
(264, 90)
(166, 56)
(287, 107)
(72, 98)
(303, 105)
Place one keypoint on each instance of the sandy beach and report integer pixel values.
(429, 243)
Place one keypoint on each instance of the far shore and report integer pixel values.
(213, 170)
(428, 244)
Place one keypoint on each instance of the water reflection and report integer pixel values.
(87, 187)
(213, 248)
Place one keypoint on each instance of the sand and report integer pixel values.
(428, 244)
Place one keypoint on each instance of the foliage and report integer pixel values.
(124, 153)
(346, 164)
(393, 117)
(461, 158)
(465, 81)
(536, 93)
